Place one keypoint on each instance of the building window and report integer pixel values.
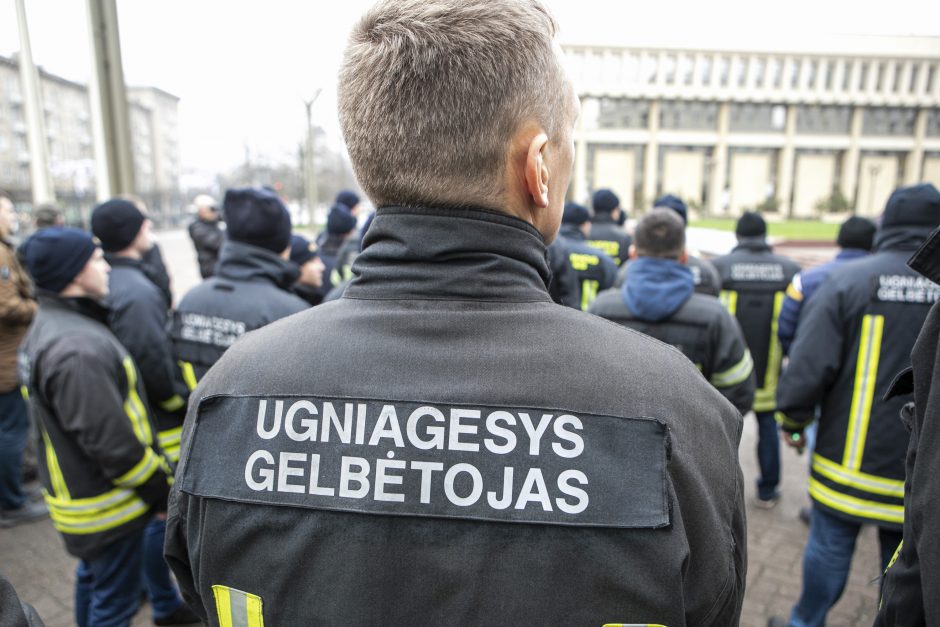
(686, 69)
(706, 69)
(756, 117)
(669, 67)
(931, 74)
(915, 74)
(862, 76)
(898, 70)
(760, 68)
(933, 123)
(793, 73)
(847, 69)
(650, 67)
(622, 113)
(895, 121)
(688, 115)
(879, 77)
(823, 120)
(813, 74)
(742, 72)
(830, 70)
(724, 71)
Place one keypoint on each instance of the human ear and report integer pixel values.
(536, 172)
(684, 257)
(632, 252)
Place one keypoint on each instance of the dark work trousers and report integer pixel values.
(14, 427)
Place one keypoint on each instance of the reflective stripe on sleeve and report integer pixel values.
(141, 472)
(729, 298)
(174, 403)
(236, 608)
(189, 374)
(134, 407)
(736, 373)
(795, 289)
(866, 374)
(95, 514)
(170, 443)
(52, 465)
(765, 399)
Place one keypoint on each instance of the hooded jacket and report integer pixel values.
(138, 317)
(444, 348)
(251, 289)
(594, 270)
(704, 275)
(610, 237)
(658, 300)
(753, 282)
(910, 583)
(857, 333)
(100, 464)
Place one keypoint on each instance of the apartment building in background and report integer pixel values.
(154, 135)
(797, 132)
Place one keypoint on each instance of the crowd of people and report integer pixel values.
(484, 405)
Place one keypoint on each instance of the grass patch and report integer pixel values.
(794, 229)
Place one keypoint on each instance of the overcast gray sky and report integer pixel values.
(242, 68)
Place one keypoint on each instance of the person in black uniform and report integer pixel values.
(607, 233)
(704, 273)
(426, 442)
(658, 299)
(340, 227)
(102, 470)
(914, 572)
(207, 234)
(251, 287)
(594, 270)
(856, 334)
(303, 254)
(753, 281)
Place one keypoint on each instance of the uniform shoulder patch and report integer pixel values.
(500, 464)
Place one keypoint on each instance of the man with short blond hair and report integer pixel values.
(444, 444)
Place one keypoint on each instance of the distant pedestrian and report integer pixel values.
(303, 254)
(152, 261)
(17, 308)
(855, 336)
(340, 228)
(207, 234)
(250, 289)
(659, 300)
(753, 281)
(607, 232)
(594, 270)
(47, 215)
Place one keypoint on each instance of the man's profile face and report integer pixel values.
(8, 222)
(93, 279)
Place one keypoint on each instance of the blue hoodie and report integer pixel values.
(656, 288)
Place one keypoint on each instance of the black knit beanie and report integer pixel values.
(116, 223)
(856, 232)
(750, 225)
(257, 216)
(54, 256)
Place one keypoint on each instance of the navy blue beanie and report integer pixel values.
(56, 255)
(856, 232)
(347, 197)
(302, 250)
(750, 225)
(340, 221)
(604, 201)
(575, 214)
(257, 216)
(116, 223)
(917, 205)
(676, 204)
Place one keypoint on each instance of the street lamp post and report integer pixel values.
(311, 176)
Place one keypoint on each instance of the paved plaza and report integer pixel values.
(33, 558)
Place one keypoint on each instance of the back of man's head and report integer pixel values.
(857, 233)
(750, 225)
(604, 201)
(913, 206)
(431, 93)
(660, 234)
(669, 201)
(256, 216)
(47, 215)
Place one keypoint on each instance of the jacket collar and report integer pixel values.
(125, 262)
(86, 307)
(572, 232)
(451, 254)
(603, 218)
(753, 244)
(908, 238)
(243, 262)
(848, 254)
(927, 258)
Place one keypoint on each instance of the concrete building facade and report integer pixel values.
(154, 131)
(796, 132)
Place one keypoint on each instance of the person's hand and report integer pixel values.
(795, 440)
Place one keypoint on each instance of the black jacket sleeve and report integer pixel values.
(140, 324)
(732, 369)
(815, 358)
(97, 420)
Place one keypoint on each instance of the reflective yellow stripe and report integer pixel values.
(103, 521)
(866, 374)
(736, 373)
(729, 298)
(170, 443)
(174, 403)
(236, 608)
(787, 423)
(588, 293)
(894, 557)
(189, 375)
(24, 392)
(795, 289)
(134, 407)
(854, 506)
(765, 399)
(141, 472)
(858, 480)
(55, 471)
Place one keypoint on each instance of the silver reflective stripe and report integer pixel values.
(239, 608)
(77, 506)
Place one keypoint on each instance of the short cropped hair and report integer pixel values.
(431, 92)
(660, 234)
(46, 215)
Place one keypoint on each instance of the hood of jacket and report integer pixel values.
(753, 244)
(904, 238)
(656, 288)
(462, 253)
(243, 262)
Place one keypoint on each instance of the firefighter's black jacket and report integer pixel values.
(610, 237)
(856, 334)
(594, 270)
